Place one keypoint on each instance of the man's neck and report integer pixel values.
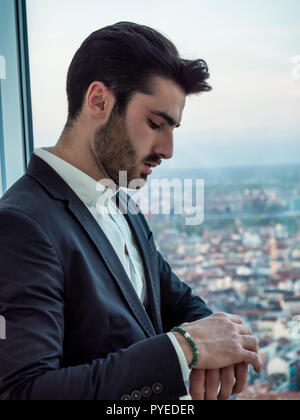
(79, 155)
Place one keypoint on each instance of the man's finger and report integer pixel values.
(236, 319)
(245, 330)
(212, 383)
(197, 384)
(233, 318)
(250, 343)
(241, 377)
(227, 383)
(253, 359)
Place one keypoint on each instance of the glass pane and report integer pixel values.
(12, 147)
(2, 159)
(242, 139)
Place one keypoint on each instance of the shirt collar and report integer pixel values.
(87, 189)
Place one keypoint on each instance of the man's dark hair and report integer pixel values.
(126, 57)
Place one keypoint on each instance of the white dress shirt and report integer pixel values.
(115, 226)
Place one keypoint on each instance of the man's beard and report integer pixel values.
(114, 151)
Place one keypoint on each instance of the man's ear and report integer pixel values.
(99, 100)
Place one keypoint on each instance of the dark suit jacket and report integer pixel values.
(75, 326)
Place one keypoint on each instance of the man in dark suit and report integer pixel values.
(89, 302)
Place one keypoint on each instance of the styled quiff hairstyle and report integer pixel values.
(126, 57)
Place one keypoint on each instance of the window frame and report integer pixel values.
(16, 126)
(21, 16)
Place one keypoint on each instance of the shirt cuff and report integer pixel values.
(186, 371)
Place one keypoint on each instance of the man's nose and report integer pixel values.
(165, 148)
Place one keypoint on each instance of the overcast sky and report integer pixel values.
(252, 117)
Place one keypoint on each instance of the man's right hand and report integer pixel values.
(222, 340)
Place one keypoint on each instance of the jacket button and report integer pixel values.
(157, 388)
(146, 392)
(125, 397)
(136, 395)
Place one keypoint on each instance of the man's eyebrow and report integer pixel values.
(167, 117)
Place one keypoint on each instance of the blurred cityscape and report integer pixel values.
(245, 259)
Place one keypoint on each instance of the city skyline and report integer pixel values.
(249, 266)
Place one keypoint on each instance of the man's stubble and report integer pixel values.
(113, 150)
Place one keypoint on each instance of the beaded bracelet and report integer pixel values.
(191, 342)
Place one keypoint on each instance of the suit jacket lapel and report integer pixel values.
(49, 179)
(152, 281)
(113, 264)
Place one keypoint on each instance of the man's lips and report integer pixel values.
(149, 166)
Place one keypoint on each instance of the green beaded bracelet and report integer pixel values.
(191, 342)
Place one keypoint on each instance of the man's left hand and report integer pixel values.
(218, 384)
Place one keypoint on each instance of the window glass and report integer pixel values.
(11, 131)
(2, 161)
(241, 139)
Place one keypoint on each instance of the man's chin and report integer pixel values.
(137, 182)
(144, 177)
(132, 179)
